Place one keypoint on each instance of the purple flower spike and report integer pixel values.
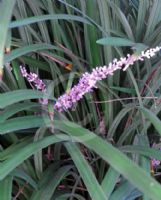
(88, 80)
(34, 79)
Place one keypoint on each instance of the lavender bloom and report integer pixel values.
(155, 162)
(23, 71)
(88, 80)
(37, 83)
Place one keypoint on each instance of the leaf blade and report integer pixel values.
(35, 19)
(115, 41)
(6, 8)
(15, 96)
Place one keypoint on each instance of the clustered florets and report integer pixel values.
(33, 79)
(88, 80)
(155, 162)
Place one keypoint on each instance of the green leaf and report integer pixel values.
(86, 172)
(22, 154)
(15, 96)
(26, 123)
(28, 49)
(49, 182)
(138, 48)
(7, 153)
(152, 118)
(20, 174)
(142, 10)
(124, 90)
(36, 63)
(120, 162)
(13, 109)
(6, 188)
(6, 8)
(124, 191)
(143, 150)
(35, 19)
(115, 41)
(109, 182)
(153, 18)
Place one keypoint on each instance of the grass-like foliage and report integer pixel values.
(100, 140)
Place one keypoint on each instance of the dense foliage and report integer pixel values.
(106, 145)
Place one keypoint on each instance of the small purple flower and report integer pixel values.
(23, 71)
(32, 77)
(154, 161)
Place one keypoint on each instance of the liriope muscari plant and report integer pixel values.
(88, 82)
